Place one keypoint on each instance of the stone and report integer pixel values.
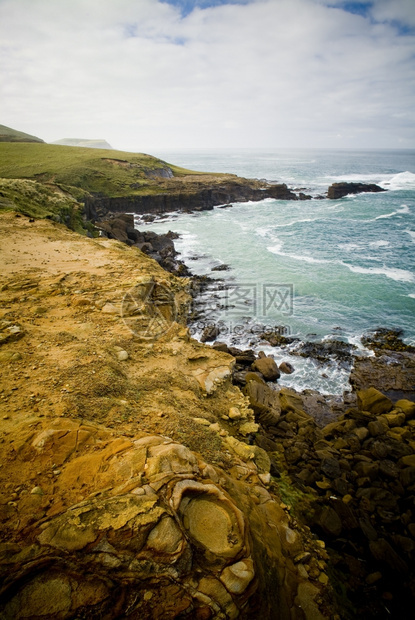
(264, 401)
(374, 401)
(408, 461)
(378, 427)
(267, 367)
(394, 419)
(238, 576)
(234, 413)
(286, 368)
(407, 406)
(407, 476)
(165, 537)
(329, 521)
(122, 356)
(382, 551)
(305, 600)
(248, 428)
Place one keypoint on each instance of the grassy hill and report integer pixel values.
(85, 170)
(7, 134)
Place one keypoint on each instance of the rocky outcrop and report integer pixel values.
(339, 190)
(189, 196)
(159, 247)
(355, 482)
(159, 533)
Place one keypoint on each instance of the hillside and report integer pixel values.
(7, 134)
(107, 181)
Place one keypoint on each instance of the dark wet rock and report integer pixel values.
(391, 372)
(286, 368)
(389, 339)
(338, 190)
(221, 268)
(326, 351)
(211, 332)
(277, 339)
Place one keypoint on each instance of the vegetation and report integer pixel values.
(96, 171)
(7, 134)
(41, 201)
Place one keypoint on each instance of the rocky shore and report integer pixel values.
(147, 475)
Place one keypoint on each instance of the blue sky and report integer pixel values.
(158, 74)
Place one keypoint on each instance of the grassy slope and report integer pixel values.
(7, 134)
(102, 172)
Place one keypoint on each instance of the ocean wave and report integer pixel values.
(403, 210)
(411, 233)
(402, 180)
(399, 275)
(305, 258)
(382, 243)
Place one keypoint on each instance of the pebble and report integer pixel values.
(37, 491)
(122, 356)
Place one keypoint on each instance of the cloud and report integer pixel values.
(146, 74)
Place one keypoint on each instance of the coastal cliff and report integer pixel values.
(128, 481)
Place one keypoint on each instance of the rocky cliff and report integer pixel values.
(130, 486)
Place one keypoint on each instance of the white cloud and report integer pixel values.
(268, 73)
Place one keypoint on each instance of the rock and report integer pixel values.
(237, 577)
(329, 521)
(264, 401)
(408, 407)
(374, 401)
(378, 427)
(267, 367)
(234, 413)
(383, 552)
(211, 332)
(393, 373)
(286, 368)
(339, 190)
(122, 355)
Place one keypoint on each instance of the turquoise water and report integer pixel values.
(317, 268)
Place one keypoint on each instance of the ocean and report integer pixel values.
(317, 269)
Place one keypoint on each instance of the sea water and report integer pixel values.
(316, 269)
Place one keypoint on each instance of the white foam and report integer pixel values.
(399, 275)
(304, 258)
(412, 234)
(403, 209)
(382, 243)
(402, 180)
(348, 247)
(412, 295)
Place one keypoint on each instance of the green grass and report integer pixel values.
(96, 171)
(7, 134)
(40, 201)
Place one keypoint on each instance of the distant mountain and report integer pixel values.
(7, 134)
(92, 144)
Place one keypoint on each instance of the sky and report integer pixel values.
(147, 75)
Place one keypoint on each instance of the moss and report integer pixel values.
(300, 502)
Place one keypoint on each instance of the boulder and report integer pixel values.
(286, 368)
(267, 367)
(374, 401)
(264, 401)
(338, 190)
